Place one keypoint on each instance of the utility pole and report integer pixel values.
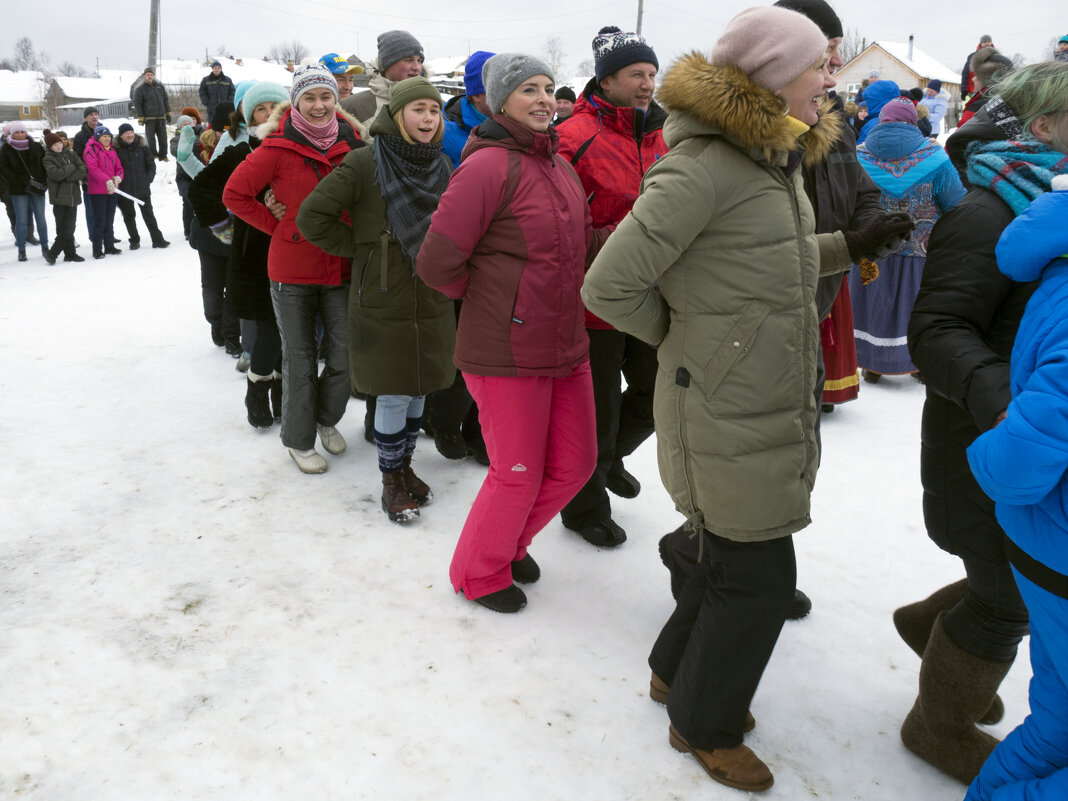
(153, 33)
(638, 28)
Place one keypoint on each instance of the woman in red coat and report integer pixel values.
(511, 237)
(302, 143)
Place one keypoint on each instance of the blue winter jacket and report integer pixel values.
(876, 96)
(1021, 463)
(460, 118)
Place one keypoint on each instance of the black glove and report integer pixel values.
(880, 237)
(168, 117)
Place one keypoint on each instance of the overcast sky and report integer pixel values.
(117, 35)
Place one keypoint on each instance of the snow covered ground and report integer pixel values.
(184, 615)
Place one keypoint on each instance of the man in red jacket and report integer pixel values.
(612, 137)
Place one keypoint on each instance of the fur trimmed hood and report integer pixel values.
(269, 127)
(723, 100)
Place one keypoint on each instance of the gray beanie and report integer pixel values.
(772, 45)
(505, 71)
(395, 45)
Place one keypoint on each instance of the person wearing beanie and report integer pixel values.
(1060, 52)
(91, 116)
(936, 102)
(152, 106)
(726, 198)
(613, 136)
(462, 114)
(138, 172)
(104, 174)
(66, 172)
(877, 95)
(400, 56)
(22, 171)
(511, 238)
(401, 344)
(216, 87)
(302, 142)
(191, 111)
(343, 72)
(236, 125)
(565, 103)
(967, 75)
(988, 66)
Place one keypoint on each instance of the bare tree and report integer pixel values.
(285, 52)
(554, 51)
(586, 67)
(852, 45)
(71, 70)
(25, 56)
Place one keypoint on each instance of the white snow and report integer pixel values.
(921, 63)
(186, 616)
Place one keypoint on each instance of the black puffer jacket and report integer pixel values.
(215, 89)
(138, 167)
(18, 165)
(150, 100)
(960, 336)
(247, 284)
(66, 171)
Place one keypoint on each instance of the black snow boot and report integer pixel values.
(257, 401)
(276, 397)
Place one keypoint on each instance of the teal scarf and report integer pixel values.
(1017, 171)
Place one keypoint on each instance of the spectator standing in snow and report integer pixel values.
(153, 110)
(66, 172)
(90, 119)
(1060, 53)
(104, 176)
(22, 165)
(511, 237)
(139, 170)
(961, 336)
(935, 100)
(182, 179)
(967, 75)
(612, 137)
(401, 332)
(302, 143)
(216, 87)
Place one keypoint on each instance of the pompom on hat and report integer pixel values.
(773, 46)
(503, 73)
(614, 49)
(312, 76)
(51, 139)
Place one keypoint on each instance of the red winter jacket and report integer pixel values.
(293, 168)
(512, 237)
(610, 148)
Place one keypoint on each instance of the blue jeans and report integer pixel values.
(102, 233)
(25, 205)
(88, 209)
(309, 397)
(393, 412)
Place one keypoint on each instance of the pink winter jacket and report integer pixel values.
(102, 165)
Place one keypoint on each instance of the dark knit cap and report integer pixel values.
(916, 94)
(409, 90)
(565, 93)
(124, 128)
(503, 73)
(50, 138)
(935, 85)
(395, 45)
(613, 50)
(473, 72)
(148, 70)
(819, 12)
(101, 130)
(220, 118)
(90, 110)
(215, 64)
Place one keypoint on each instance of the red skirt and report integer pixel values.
(839, 350)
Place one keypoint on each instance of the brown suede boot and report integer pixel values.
(417, 488)
(955, 689)
(397, 503)
(659, 691)
(914, 622)
(736, 767)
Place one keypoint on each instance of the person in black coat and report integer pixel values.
(215, 88)
(153, 109)
(22, 167)
(139, 168)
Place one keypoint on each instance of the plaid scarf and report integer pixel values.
(1017, 171)
(412, 178)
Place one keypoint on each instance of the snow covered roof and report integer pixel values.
(94, 88)
(20, 87)
(445, 65)
(922, 64)
(190, 71)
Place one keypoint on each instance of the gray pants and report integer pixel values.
(308, 396)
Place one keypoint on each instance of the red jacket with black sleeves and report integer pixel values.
(512, 237)
(293, 168)
(610, 148)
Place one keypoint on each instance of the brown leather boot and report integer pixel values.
(417, 488)
(659, 691)
(398, 505)
(736, 767)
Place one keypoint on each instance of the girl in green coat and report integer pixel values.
(401, 332)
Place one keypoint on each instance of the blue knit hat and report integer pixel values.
(473, 72)
(240, 89)
(613, 50)
(101, 130)
(262, 92)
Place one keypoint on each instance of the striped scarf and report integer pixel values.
(1017, 171)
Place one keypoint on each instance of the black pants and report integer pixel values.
(156, 137)
(217, 307)
(66, 221)
(992, 618)
(266, 354)
(129, 216)
(715, 646)
(624, 417)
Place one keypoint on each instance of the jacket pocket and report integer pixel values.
(734, 346)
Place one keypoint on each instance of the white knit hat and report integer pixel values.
(313, 76)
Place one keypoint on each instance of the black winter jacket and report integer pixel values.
(150, 100)
(65, 171)
(248, 286)
(215, 89)
(138, 167)
(18, 165)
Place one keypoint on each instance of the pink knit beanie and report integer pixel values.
(898, 110)
(772, 45)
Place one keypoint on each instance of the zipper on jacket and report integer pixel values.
(383, 261)
(791, 188)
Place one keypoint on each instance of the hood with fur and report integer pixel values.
(723, 100)
(269, 127)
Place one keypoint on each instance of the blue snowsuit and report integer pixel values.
(1021, 464)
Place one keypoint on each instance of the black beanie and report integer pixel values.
(220, 118)
(613, 50)
(565, 93)
(124, 128)
(90, 110)
(819, 12)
